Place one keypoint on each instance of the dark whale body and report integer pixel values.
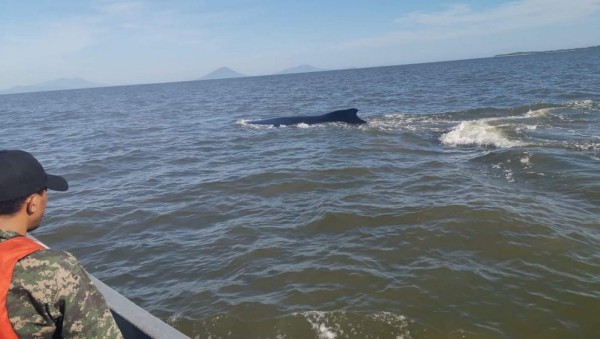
(346, 115)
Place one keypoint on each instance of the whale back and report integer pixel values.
(346, 115)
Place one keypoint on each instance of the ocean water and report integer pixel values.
(467, 207)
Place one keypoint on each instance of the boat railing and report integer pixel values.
(133, 321)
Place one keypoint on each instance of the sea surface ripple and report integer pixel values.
(467, 207)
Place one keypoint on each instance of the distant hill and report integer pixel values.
(222, 73)
(53, 85)
(301, 69)
(544, 52)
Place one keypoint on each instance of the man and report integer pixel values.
(43, 293)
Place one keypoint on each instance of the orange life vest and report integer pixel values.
(11, 251)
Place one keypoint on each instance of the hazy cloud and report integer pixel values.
(117, 42)
(120, 8)
(51, 41)
(526, 13)
(461, 20)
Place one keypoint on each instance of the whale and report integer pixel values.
(345, 115)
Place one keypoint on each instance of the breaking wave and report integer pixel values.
(336, 324)
(502, 132)
(479, 132)
(542, 125)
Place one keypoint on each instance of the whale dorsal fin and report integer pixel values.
(343, 113)
(346, 115)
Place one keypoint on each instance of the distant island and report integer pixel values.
(301, 69)
(228, 73)
(53, 85)
(545, 52)
(222, 73)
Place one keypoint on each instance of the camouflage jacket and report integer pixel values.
(51, 296)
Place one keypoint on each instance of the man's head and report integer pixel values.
(23, 186)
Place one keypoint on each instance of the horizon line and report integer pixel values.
(94, 85)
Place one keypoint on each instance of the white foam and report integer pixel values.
(328, 325)
(478, 132)
(407, 122)
(488, 131)
(509, 175)
(249, 124)
(317, 320)
(585, 146)
(391, 122)
(539, 113)
(582, 104)
(326, 333)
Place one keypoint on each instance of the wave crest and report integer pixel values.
(478, 132)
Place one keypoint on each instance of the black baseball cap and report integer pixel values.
(21, 175)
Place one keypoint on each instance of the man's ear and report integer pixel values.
(32, 203)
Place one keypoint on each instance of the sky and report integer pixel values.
(114, 42)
